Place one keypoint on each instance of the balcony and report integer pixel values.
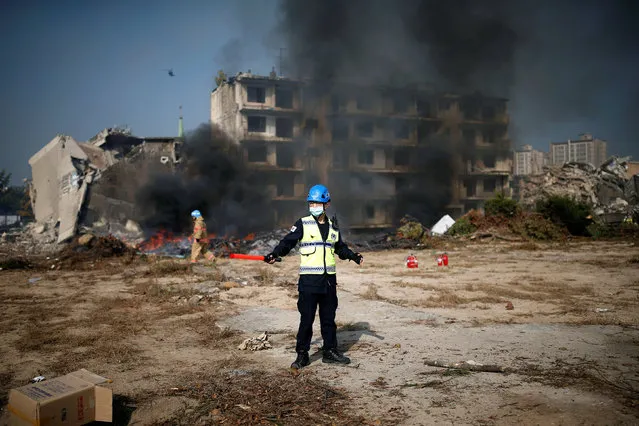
(261, 108)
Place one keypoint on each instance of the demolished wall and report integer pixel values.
(78, 182)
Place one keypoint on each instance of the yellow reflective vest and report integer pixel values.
(317, 256)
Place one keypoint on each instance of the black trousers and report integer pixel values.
(307, 304)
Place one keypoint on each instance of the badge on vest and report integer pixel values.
(333, 236)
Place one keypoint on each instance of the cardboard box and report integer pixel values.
(71, 400)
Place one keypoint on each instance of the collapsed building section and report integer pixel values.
(94, 182)
(383, 151)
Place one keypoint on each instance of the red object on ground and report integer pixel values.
(245, 256)
(411, 262)
(440, 261)
(445, 259)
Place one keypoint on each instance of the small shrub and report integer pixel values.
(535, 226)
(463, 226)
(502, 206)
(565, 211)
(603, 231)
(411, 229)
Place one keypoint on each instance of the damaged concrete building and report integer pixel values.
(365, 142)
(83, 182)
(585, 149)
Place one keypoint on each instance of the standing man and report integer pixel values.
(320, 240)
(200, 238)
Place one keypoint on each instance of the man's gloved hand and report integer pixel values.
(269, 258)
(358, 258)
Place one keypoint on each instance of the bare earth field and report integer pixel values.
(168, 336)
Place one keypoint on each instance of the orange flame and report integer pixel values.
(158, 240)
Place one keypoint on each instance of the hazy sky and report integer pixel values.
(76, 67)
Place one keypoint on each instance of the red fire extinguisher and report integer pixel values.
(411, 261)
(445, 259)
(440, 261)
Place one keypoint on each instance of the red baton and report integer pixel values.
(249, 257)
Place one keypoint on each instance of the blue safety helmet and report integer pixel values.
(196, 213)
(319, 194)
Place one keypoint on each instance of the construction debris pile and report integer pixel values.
(608, 189)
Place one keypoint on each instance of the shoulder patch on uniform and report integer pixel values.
(293, 228)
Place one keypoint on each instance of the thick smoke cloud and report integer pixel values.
(462, 46)
(457, 44)
(212, 179)
(567, 67)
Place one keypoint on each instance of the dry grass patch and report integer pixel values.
(214, 274)
(168, 268)
(429, 321)
(536, 290)
(444, 299)
(41, 336)
(487, 299)
(421, 286)
(371, 293)
(209, 333)
(265, 276)
(529, 246)
(257, 397)
(123, 316)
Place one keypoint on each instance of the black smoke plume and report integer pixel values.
(211, 178)
(348, 48)
(563, 65)
(462, 44)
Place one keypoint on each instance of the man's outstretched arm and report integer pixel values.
(287, 243)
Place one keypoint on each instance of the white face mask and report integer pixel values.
(316, 211)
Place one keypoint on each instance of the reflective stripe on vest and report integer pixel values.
(317, 256)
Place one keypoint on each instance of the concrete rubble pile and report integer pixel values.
(608, 189)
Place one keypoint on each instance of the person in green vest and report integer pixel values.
(319, 241)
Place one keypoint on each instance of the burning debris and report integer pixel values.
(612, 195)
(173, 245)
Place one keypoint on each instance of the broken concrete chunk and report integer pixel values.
(256, 343)
(132, 226)
(40, 228)
(194, 300)
(85, 239)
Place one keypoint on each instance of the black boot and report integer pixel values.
(302, 360)
(334, 357)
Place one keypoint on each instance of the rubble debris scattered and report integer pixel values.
(272, 398)
(95, 248)
(256, 343)
(608, 189)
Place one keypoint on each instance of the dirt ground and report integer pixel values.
(168, 336)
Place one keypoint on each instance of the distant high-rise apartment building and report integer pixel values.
(529, 161)
(586, 149)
